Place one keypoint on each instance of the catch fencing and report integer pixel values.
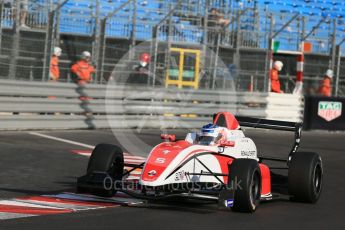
(242, 47)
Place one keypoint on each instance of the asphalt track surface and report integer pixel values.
(32, 165)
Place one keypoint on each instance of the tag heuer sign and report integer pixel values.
(329, 110)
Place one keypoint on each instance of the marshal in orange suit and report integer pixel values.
(274, 76)
(325, 88)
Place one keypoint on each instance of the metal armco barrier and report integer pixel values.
(326, 113)
(51, 105)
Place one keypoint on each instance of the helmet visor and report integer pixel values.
(205, 140)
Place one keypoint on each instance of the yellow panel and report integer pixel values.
(185, 50)
(180, 76)
(180, 83)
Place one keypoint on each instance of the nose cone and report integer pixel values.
(160, 158)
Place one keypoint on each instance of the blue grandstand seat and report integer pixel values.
(313, 11)
(287, 9)
(144, 32)
(150, 12)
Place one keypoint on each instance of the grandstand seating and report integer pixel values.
(78, 17)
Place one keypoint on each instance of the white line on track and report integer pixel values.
(56, 205)
(25, 204)
(62, 140)
(7, 215)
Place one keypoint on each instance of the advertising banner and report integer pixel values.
(324, 113)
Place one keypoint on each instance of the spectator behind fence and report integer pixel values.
(274, 76)
(82, 70)
(217, 25)
(54, 70)
(24, 9)
(216, 18)
(325, 88)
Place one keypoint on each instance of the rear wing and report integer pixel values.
(295, 127)
(268, 124)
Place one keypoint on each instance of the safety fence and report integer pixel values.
(31, 64)
(75, 26)
(37, 105)
(242, 46)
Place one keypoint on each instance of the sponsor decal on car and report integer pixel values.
(152, 173)
(229, 203)
(160, 160)
(180, 176)
(248, 153)
(329, 110)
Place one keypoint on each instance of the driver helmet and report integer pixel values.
(211, 135)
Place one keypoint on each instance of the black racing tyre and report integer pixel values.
(107, 158)
(305, 177)
(245, 180)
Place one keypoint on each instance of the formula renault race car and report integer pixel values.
(218, 163)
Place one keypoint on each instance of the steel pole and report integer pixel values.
(268, 61)
(48, 46)
(96, 41)
(338, 72)
(205, 40)
(334, 45)
(102, 48)
(154, 67)
(15, 44)
(216, 61)
(57, 26)
(168, 53)
(236, 58)
(134, 30)
(338, 67)
(1, 15)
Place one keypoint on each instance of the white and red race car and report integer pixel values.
(218, 163)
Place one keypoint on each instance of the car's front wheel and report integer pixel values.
(245, 181)
(107, 159)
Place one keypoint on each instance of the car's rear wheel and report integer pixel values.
(305, 177)
(109, 159)
(245, 180)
